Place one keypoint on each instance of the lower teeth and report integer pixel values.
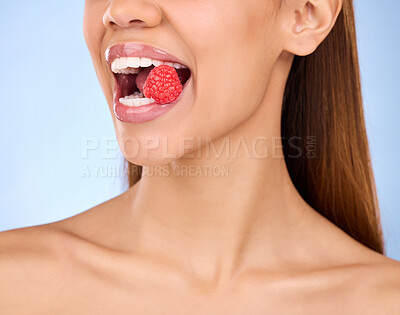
(136, 99)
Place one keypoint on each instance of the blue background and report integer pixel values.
(46, 71)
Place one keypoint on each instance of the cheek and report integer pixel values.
(93, 28)
(94, 31)
(233, 61)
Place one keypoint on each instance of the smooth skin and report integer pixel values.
(246, 243)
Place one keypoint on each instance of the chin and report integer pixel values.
(152, 150)
(141, 161)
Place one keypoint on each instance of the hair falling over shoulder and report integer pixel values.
(323, 100)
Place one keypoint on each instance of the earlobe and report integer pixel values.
(308, 22)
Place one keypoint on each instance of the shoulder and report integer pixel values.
(381, 286)
(27, 243)
(369, 286)
(31, 266)
(59, 241)
(372, 287)
(42, 261)
(349, 274)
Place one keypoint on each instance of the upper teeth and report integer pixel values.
(132, 64)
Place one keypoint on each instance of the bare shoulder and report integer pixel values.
(55, 241)
(31, 266)
(371, 286)
(41, 262)
(381, 287)
(354, 277)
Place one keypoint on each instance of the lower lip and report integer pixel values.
(131, 114)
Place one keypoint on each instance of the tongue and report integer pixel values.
(141, 78)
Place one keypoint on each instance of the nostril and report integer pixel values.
(130, 23)
(136, 21)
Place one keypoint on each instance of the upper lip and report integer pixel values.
(133, 49)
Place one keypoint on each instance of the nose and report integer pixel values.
(131, 13)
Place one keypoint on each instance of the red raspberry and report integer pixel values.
(162, 85)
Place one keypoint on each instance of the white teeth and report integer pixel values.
(145, 62)
(122, 63)
(128, 71)
(135, 100)
(157, 63)
(131, 65)
(178, 66)
(133, 62)
(137, 94)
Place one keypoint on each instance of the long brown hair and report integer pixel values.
(323, 103)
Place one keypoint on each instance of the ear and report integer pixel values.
(307, 23)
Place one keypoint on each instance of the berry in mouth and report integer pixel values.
(163, 85)
(134, 74)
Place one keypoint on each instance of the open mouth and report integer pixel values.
(131, 74)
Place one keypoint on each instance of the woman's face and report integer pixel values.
(230, 47)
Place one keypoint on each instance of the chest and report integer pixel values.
(92, 298)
